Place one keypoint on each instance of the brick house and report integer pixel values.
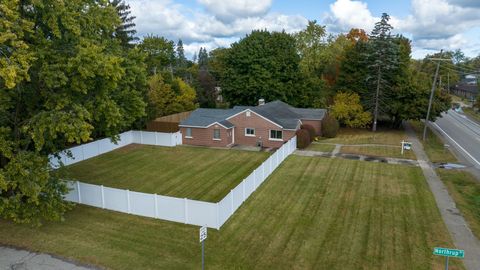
(268, 125)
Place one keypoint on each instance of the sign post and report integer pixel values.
(203, 236)
(447, 253)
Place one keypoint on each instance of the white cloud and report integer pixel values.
(230, 10)
(347, 14)
(432, 24)
(199, 29)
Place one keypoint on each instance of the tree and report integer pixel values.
(262, 65)
(348, 110)
(72, 81)
(383, 61)
(311, 43)
(166, 98)
(125, 32)
(160, 53)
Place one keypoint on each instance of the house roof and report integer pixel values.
(280, 113)
(206, 117)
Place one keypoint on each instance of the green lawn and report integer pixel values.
(312, 213)
(320, 147)
(465, 190)
(364, 136)
(434, 147)
(379, 151)
(187, 172)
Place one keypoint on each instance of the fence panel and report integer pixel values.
(202, 213)
(90, 150)
(171, 208)
(237, 194)
(72, 195)
(142, 204)
(224, 209)
(115, 199)
(249, 185)
(91, 194)
(148, 137)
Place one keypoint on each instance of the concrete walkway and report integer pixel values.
(462, 236)
(16, 259)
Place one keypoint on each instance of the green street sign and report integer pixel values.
(447, 252)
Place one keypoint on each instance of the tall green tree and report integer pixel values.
(160, 53)
(262, 65)
(382, 63)
(125, 32)
(72, 81)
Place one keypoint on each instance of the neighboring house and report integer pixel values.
(467, 87)
(268, 125)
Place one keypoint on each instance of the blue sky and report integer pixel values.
(431, 24)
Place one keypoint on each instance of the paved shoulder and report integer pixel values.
(11, 258)
(462, 236)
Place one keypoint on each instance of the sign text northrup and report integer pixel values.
(457, 253)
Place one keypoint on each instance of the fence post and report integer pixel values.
(243, 188)
(283, 152)
(128, 201)
(83, 151)
(218, 216)
(156, 138)
(155, 202)
(103, 197)
(186, 210)
(254, 180)
(231, 202)
(263, 172)
(79, 193)
(271, 164)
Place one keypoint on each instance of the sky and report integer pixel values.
(430, 24)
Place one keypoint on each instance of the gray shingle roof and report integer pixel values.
(278, 112)
(204, 117)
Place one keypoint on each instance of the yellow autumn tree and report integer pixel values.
(348, 110)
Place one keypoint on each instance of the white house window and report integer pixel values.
(248, 113)
(216, 134)
(276, 135)
(188, 133)
(250, 132)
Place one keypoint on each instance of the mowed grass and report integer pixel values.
(319, 147)
(364, 136)
(433, 146)
(465, 190)
(187, 172)
(379, 151)
(312, 213)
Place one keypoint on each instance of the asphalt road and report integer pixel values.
(462, 134)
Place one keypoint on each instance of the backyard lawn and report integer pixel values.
(311, 213)
(187, 172)
(365, 136)
(379, 151)
(320, 147)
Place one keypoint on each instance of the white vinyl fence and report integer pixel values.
(93, 149)
(212, 215)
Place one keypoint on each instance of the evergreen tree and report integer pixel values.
(383, 54)
(125, 32)
(181, 60)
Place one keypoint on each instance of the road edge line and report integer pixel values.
(469, 155)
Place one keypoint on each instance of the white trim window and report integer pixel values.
(250, 132)
(276, 135)
(216, 134)
(188, 133)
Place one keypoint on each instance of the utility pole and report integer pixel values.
(433, 91)
(448, 82)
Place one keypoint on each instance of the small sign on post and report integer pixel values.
(447, 253)
(406, 146)
(203, 237)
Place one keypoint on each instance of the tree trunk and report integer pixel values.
(375, 113)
